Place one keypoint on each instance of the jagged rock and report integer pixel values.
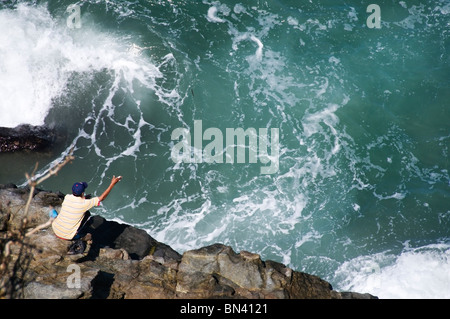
(13, 201)
(217, 271)
(59, 288)
(125, 262)
(26, 137)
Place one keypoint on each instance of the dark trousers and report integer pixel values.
(82, 230)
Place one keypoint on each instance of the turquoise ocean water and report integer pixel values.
(361, 195)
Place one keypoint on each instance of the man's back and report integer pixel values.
(72, 211)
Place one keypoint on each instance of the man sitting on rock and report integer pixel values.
(74, 214)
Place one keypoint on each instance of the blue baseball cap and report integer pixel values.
(78, 188)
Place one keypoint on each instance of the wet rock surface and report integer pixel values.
(26, 137)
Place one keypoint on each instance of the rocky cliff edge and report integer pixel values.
(126, 262)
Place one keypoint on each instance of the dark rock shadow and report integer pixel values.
(101, 285)
(136, 242)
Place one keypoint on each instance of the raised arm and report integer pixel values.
(114, 181)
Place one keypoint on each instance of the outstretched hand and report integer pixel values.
(115, 180)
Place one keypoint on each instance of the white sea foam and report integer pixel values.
(212, 14)
(396, 195)
(38, 54)
(29, 76)
(422, 272)
(258, 53)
